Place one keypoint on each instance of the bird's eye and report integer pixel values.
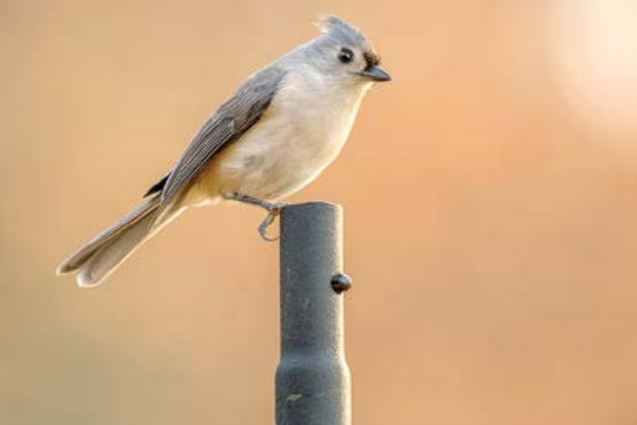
(345, 55)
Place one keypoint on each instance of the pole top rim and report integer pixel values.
(311, 205)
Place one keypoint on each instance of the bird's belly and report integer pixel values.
(274, 164)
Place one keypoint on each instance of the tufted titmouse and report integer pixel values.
(283, 126)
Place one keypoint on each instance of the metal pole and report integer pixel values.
(312, 380)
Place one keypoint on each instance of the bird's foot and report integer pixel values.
(273, 213)
(273, 208)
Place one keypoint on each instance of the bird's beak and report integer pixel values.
(376, 73)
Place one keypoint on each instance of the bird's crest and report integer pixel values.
(348, 34)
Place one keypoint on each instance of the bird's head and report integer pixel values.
(342, 52)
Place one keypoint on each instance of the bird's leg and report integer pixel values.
(273, 208)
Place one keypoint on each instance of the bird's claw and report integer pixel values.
(274, 210)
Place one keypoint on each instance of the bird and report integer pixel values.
(283, 126)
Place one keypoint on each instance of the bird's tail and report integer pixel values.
(106, 251)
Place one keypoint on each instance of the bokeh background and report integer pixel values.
(489, 190)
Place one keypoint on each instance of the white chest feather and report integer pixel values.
(301, 133)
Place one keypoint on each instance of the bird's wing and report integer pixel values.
(233, 119)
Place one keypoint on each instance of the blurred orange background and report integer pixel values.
(490, 214)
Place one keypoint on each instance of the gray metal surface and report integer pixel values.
(312, 379)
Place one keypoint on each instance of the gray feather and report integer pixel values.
(113, 253)
(98, 258)
(233, 119)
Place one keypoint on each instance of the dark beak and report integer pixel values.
(376, 73)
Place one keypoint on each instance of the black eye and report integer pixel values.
(345, 55)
